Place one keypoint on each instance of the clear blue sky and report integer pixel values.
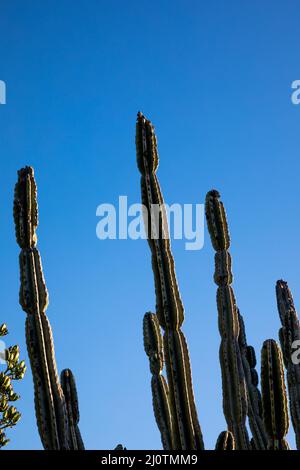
(215, 79)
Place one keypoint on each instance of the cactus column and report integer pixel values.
(50, 405)
(153, 344)
(274, 399)
(289, 333)
(169, 308)
(260, 440)
(233, 379)
(70, 392)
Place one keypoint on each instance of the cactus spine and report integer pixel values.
(169, 309)
(235, 403)
(289, 333)
(274, 399)
(50, 404)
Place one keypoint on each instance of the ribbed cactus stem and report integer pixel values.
(49, 398)
(274, 401)
(70, 393)
(235, 404)
(288, 334)
(225, 441)
(169, 308)
(153, 344)
(260, 439)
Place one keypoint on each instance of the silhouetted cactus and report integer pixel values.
(225, 441)
(274, 401)
(288, 334)
(186, 432)
(50, 404)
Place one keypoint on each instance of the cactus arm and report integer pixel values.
(169, 306)
(289, 333)
(70, 393)
(43, 399)
(49, 399)
(274, 401)
(260, 440)
(225, 441)
(235, 403)
(153, 345)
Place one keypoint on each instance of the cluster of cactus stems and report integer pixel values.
(56, 403)
(15, 370)
(173, 397)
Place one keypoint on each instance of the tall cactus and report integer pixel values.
(169, 309)
(50, 404)
(288, 334)
(274, 399)
(235, 403)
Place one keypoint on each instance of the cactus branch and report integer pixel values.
(153, 344)
(274, 401)
(260, 439)
(70, 393)
(288, 334)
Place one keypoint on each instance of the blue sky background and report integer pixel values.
(215, 78)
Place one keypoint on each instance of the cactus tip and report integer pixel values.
(214, 193)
